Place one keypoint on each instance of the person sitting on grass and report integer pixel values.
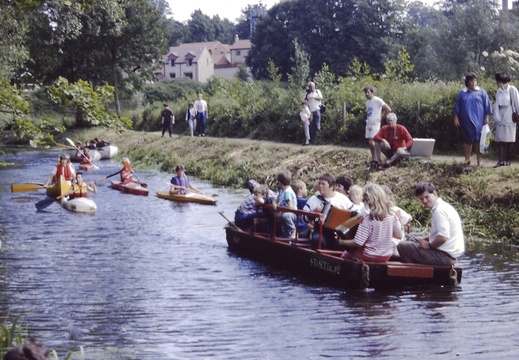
(393, 140)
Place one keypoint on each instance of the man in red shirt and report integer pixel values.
(393, 140)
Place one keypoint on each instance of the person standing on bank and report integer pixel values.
(446, 241)
(168, 119)
(191, 117)
(374, 116)
(314, 98)
(201, 114)
(393, 140)
(507, 100)
(471, 111)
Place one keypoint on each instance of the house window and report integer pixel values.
(188, 75)
(172, 75)
(238, 52)
(172, 62)
(189, 62)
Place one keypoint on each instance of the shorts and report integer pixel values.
(372, 130)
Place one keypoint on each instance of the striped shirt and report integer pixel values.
(375, 236)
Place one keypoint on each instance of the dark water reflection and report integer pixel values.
(145, 278)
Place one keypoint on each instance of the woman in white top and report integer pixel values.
(316, 203)
(507, 100)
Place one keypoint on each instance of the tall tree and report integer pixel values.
(331, 31)
(115, 42)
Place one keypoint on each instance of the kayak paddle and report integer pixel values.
(42, 204)
(25, 187)
(45, 203)
(82, 154)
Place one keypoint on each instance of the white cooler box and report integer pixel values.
(422, 147)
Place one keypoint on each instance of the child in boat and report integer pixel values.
(180, 183)
(403, 216)
(355, 195)
(81, 189)
(63, 168)
(87, 158)
(299, 188)
(372, 242)
(287, 198)
(245, 214)
(127, 174)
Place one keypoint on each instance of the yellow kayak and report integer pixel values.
(61, 188)
(189, 197)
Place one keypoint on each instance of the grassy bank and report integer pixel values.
(487, 199)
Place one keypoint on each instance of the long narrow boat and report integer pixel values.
(129, 188)
(326, 265)
(189, 197)
(82, 205)
(108, 152)
(61, 188)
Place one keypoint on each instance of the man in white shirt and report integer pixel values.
(201, 114)
(374, 116)
(314, 97)
(446, 241)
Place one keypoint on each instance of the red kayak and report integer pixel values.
(130, 187)
(86, 166)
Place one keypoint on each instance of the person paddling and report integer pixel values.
(81, 189)
(63, 168)
(127, 174)
(180, 183)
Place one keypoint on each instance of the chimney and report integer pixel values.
(236, 37)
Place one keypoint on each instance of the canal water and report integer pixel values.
(146, 278)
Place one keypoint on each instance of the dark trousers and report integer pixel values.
(315, 124)
(167, 126)
(200, 123)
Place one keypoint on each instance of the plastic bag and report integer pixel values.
(486, 137)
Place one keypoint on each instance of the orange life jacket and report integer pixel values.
(63, 171)
(127, 175)
(79, 191)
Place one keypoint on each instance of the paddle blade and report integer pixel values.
(42, 204)
(25, 187)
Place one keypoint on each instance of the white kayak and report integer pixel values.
(82, 205)
(108, 152)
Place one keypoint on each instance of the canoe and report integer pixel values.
(326, 266)
(108, 152)
(189, 197)
(61, 188)
(129, 187)
(96, 155)
(82, 205)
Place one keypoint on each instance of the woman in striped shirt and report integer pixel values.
(372, 241)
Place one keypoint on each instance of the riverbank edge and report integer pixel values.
(486, 198)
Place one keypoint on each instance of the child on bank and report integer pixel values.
(306, 117)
